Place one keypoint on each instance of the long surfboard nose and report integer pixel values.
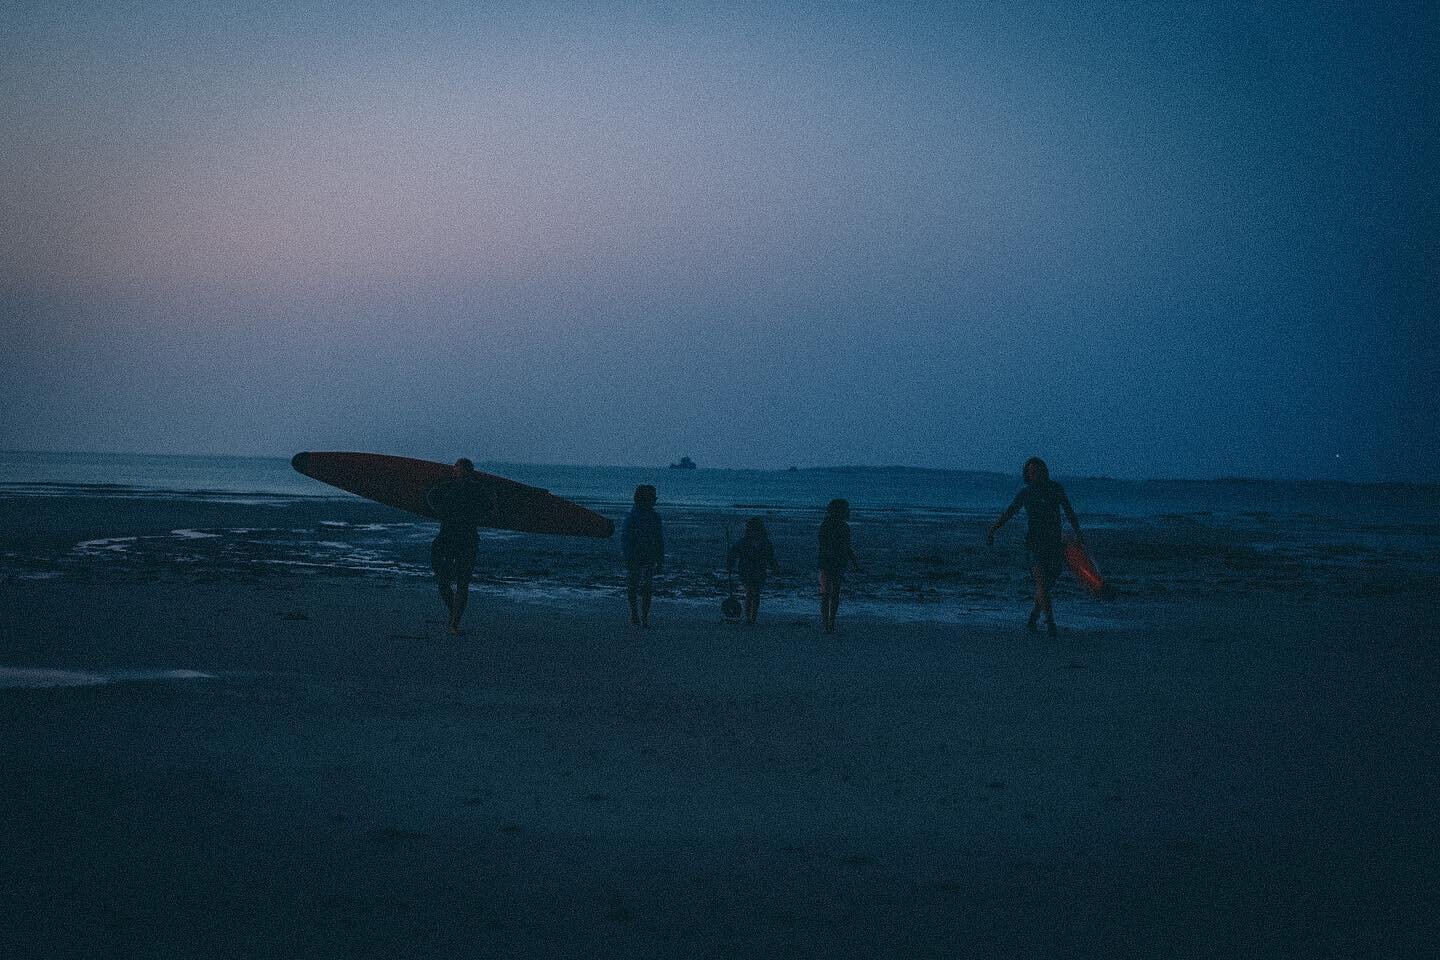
(405, 483)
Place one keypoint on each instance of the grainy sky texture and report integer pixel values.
(1146, 240)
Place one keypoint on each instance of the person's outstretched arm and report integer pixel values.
(1070, 515)
(1005, 517)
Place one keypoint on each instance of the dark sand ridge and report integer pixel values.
(1245, 780)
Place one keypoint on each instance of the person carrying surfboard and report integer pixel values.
(756, 556)
(1043, 499)
(836, 557)
(462, 503)
(643, 544)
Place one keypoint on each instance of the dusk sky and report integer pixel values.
(1183, 240)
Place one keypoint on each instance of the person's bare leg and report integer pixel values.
(834, 605)
(752, 603)
(645, 595)
(634, 598)
(1038, 573)
(442, 583)
(457, 607)
(1042, 600)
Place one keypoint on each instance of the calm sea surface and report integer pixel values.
(868, 488)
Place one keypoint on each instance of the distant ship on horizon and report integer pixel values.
(685, 464)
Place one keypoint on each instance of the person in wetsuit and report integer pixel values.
(1042, 499)
(757, 558)
(462, 503)
(836, 557)
(643, 543)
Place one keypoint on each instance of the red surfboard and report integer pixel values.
(1085, 570)
(402, 483)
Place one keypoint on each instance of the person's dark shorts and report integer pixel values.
(453, 558)
(1049, 557)
(640, 577)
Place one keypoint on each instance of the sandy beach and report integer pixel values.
(1252, 776)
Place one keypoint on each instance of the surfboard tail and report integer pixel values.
(1085, 570)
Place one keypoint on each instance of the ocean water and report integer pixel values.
(868, 488)
(919, 533)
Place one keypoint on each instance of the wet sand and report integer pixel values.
(1244, 780)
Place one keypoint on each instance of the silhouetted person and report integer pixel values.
(643, 543)
(756, 557)
(462, 503)
(836, 557)
(1043, 499)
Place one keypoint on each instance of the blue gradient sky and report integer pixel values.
(1165, 239)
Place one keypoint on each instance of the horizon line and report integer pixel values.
(1221, 478)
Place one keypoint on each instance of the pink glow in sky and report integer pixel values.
(1193, 241)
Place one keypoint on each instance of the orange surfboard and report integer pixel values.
(1085, 570)
(402, 483)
